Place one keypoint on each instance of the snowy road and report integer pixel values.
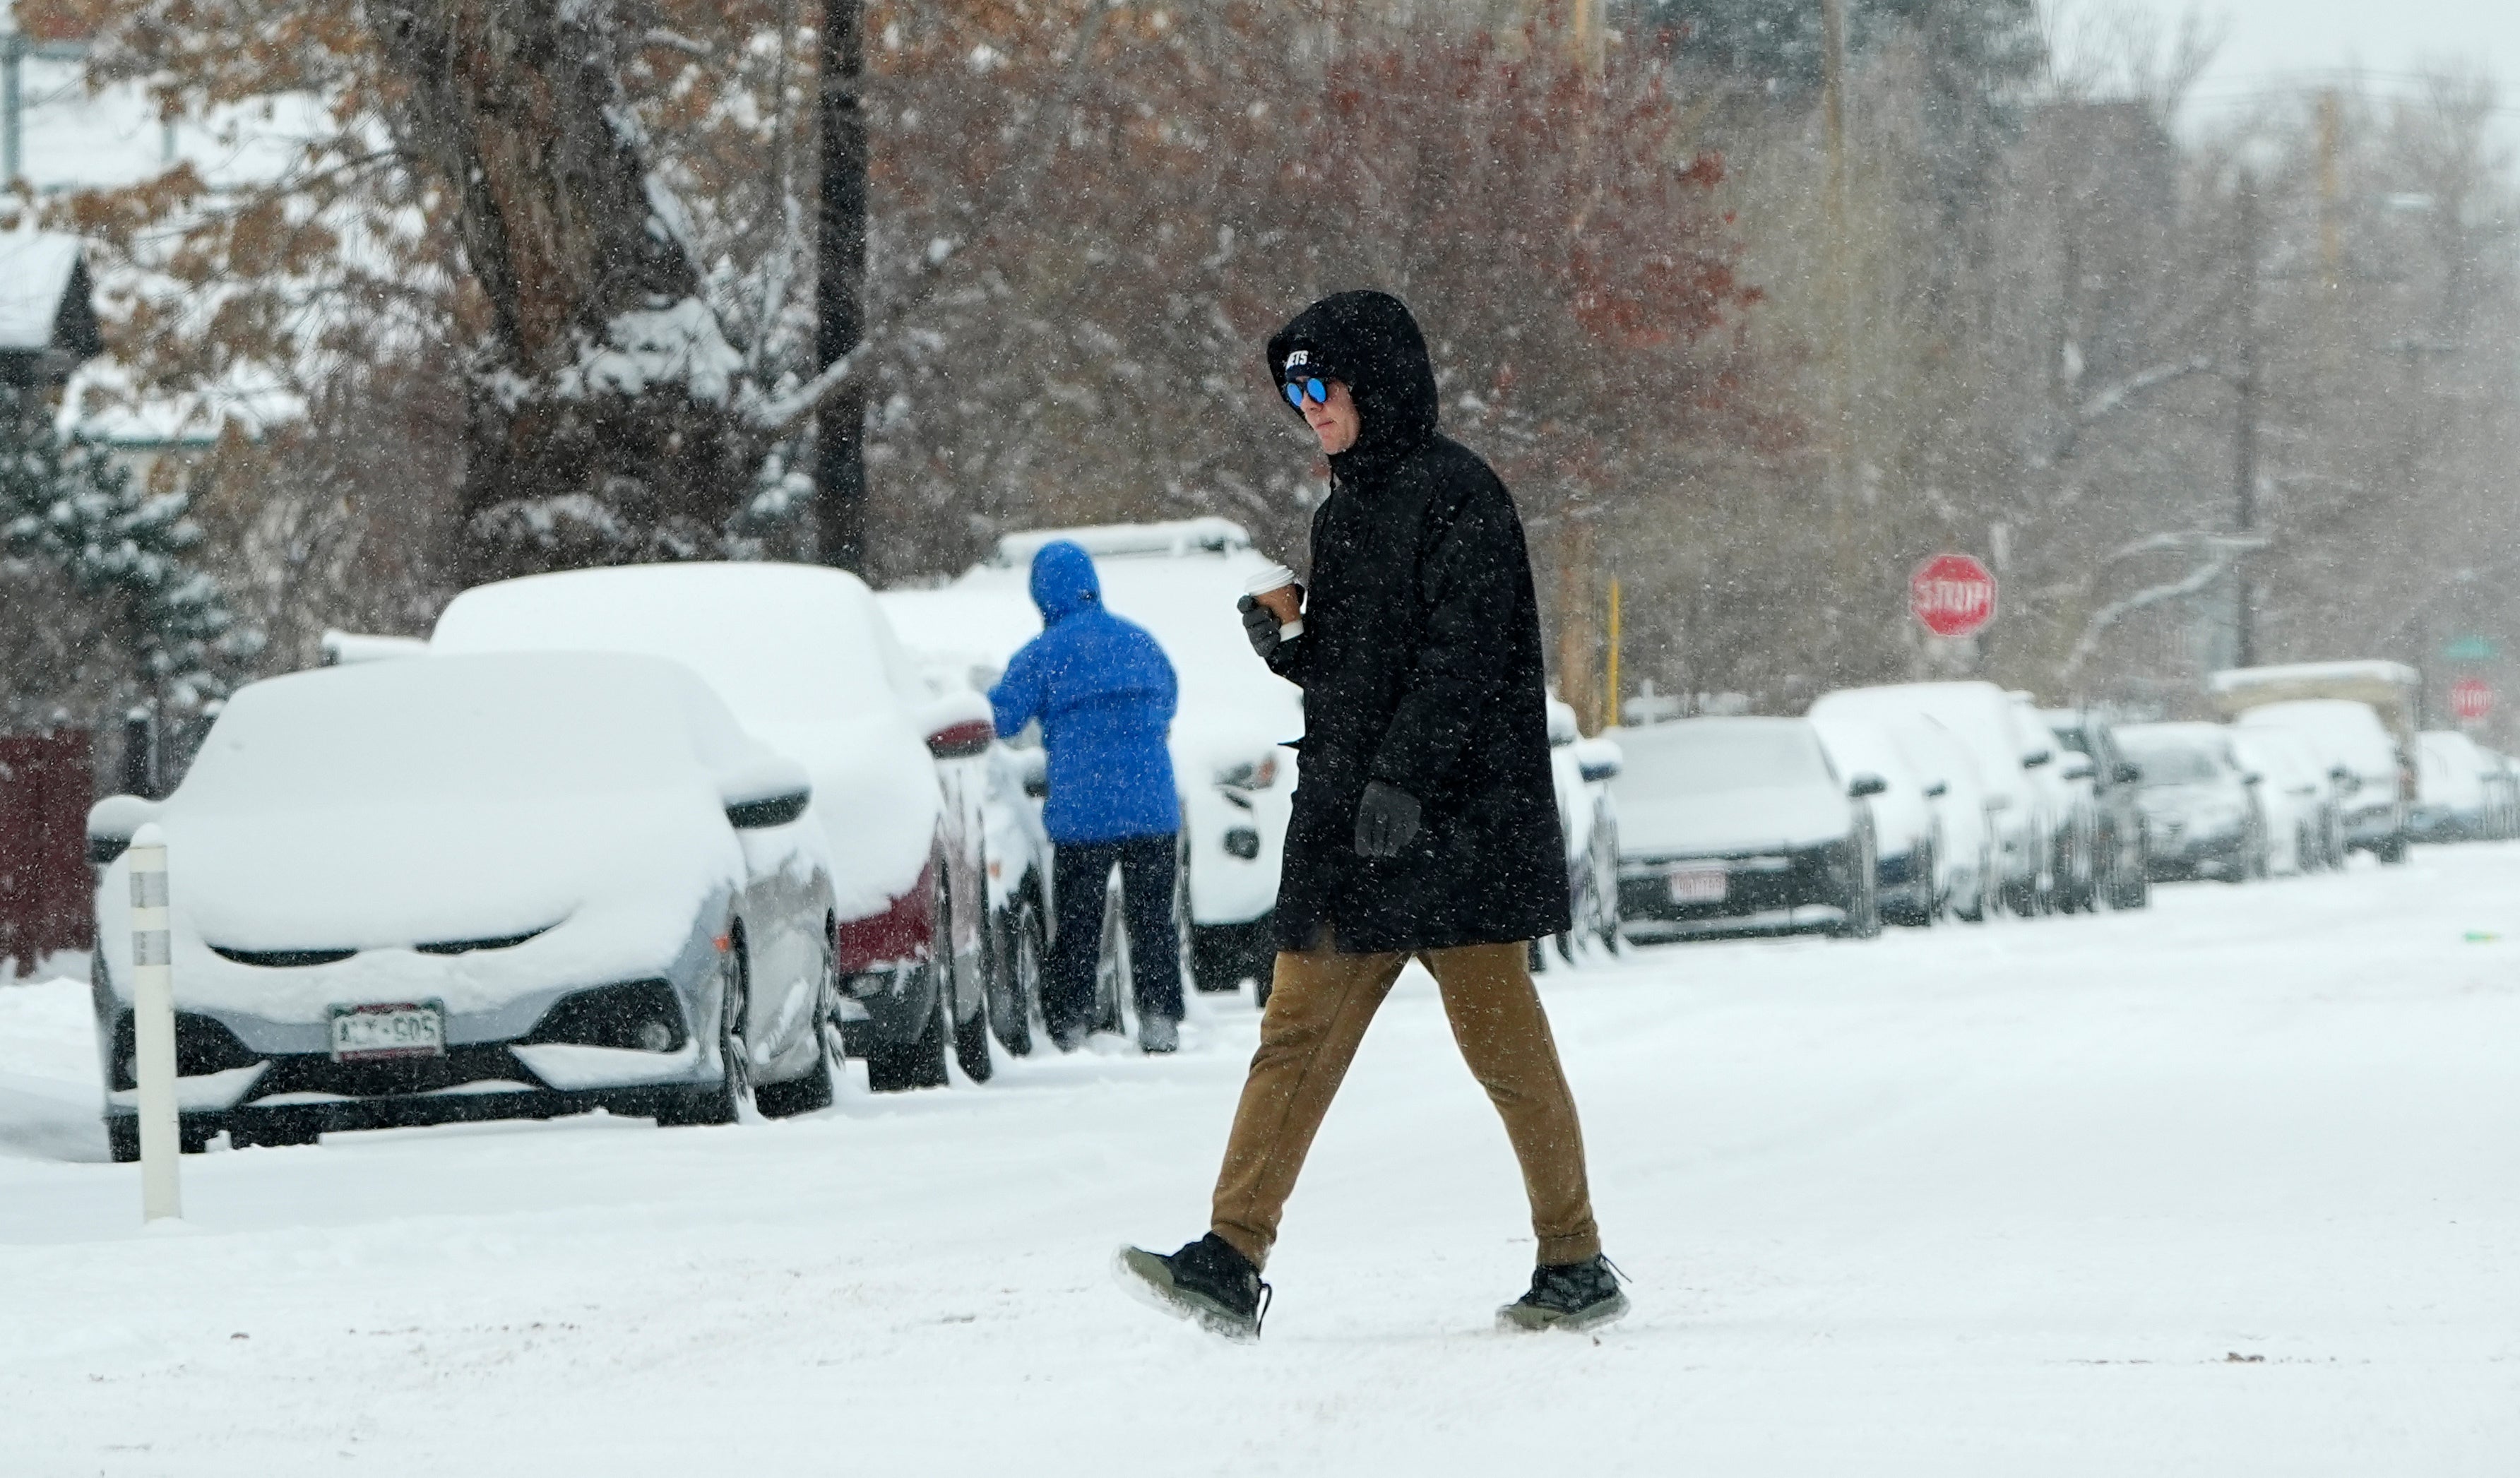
(2226, 1188)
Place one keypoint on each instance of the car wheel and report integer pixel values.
(2393, 851)
(1014, 974)
(899, 1066)
(1111, 970)
(813, 1090)
(1606, 884)
(723, 1103)
(1864, 900)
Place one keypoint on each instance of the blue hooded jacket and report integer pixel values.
(1105, 693)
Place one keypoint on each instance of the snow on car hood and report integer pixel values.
(1731, 821)
(615, 880)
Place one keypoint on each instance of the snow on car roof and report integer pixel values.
(744, 627)
(1180, 536)
(484, 727)
(2341, 727)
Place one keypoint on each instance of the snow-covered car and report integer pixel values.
(475, 887)
(2201, 818)
(2118, 822)
(810, 666)
(2066, 784)
(1906, 831)
(1979, 716)
(1741, 825)
(2454, 788)
(2297, 798)
(1588, 818)
(1965, 856)
(1236, 777)
(2372, 773)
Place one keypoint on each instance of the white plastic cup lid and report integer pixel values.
(1274, 577)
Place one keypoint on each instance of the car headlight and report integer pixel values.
(1250, 775)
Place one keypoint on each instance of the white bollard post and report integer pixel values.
(153, 1027)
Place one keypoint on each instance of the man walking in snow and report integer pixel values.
(1425, 820)
(1105, 693)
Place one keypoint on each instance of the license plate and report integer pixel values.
(1699, 884)
(372, 1033)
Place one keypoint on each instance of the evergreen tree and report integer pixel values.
(65, 506)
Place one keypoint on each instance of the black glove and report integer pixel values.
(1386, 819)
(1260, 624)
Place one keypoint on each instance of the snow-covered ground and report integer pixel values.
(2229, 1187)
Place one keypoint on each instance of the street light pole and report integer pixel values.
(2244, 456)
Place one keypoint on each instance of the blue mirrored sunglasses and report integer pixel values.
(1300, 391)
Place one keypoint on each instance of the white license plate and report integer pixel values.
(1699, 884)
(370, 1033)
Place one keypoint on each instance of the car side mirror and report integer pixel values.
(958, 726)
(1938, 789)
(2080, 769)
(1867, 785)
(111, 823)
(1598, 759)
(766, 790)
(2127, 772)
(2035, 758)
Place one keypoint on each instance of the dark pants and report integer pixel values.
(1079, 872)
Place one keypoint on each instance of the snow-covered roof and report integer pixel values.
(37, 270)
(2250, 679)
(1180, 536)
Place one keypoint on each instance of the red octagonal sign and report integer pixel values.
(2470, 699)
(1953, 594)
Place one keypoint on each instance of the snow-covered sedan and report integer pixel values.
(807, 663)
(1980, 716)
(1741, 825)
(2201, 816)
(475, 887)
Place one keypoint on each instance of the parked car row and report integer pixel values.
(667, 840)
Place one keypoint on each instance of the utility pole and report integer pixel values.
(840, 286)
(1841, 267)
(2244, 458)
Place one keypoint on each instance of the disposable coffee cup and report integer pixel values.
(1275, 588)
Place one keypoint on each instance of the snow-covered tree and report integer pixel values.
(69, 511)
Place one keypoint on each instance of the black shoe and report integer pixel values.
(1208, 1282)
(1567, 1296)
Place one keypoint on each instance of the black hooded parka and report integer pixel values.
(1420, 664)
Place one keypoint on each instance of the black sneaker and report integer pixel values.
(1207, 1281)
(1567, 1296)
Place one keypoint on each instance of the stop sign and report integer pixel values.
(1953, 594)
(2470, 699)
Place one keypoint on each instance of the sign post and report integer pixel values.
(1952, 594)
(153, 1027)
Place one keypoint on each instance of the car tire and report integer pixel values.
(899, 1066)
(1113, 972)
(1018, 947)
(813, 1090)
(2392, 851)
(1863, 903)
(971, 1047)
(722, 1102)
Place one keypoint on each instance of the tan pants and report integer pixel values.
(1319, 1007)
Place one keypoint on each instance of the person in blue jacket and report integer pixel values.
(1105, 693)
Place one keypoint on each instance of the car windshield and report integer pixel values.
(1709, 756)
(2173, 764)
